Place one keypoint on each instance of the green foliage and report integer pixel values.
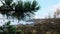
(19, 32)
(8, 2)
(19, 10)
(9, 29)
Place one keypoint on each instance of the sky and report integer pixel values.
(48, 7)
